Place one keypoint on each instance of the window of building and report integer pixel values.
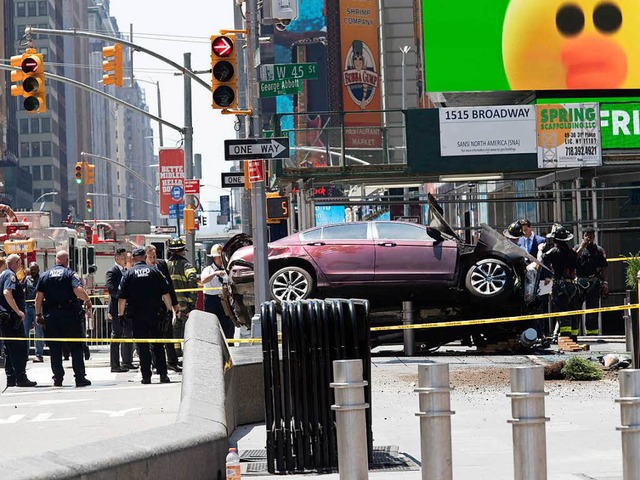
(21, 10)
(47, 172)
(32, 8)
(37, 193)
(24, 149)
(46, 149)
(45, 124)
(24, 125)
(43, 8)
(35, 125)
(35, 173)
(35, 149)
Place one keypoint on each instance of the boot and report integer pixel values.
(25, 382)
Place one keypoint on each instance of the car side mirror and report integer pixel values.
(435, 234)
(93, 268)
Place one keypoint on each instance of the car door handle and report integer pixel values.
(387, 244)
(316, 244)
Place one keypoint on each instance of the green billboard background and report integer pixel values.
(620, 125)
(463, 45)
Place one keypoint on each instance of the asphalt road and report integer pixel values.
(49, 418)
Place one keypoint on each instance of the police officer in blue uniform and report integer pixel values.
(143, 288)
(12, 308)
(59, 300)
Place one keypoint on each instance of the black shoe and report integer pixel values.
(145, 381)
(57, 382)
(11, 382)
(83, 382)
(174, 367)
(120, 369)
(165, 379)
(25, 382)
(130, 366)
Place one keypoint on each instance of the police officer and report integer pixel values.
(184, 276)
(143, 288)
(59, 300)
(592, 276)
(12, 308)
(562, 260)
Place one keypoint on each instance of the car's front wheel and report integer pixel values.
(291, 284)
(489, 279)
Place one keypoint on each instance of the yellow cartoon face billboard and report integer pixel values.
(531, 45)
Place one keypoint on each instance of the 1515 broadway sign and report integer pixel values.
(569, 135)
(487, 130)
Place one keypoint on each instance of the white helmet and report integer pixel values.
(216, 250)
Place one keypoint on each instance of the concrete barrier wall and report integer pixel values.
(194, 447)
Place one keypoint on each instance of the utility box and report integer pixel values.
(279, 11)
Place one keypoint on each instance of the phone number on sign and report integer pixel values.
(581, 150)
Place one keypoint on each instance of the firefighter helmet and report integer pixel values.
(177, 244)
(513, 231)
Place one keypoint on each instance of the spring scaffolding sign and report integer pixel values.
(569, 135)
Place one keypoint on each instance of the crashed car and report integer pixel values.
(387, 262)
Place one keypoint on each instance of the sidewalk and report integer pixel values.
(582, 441)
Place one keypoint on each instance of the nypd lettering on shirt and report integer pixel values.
(142, 272)
(56, 272)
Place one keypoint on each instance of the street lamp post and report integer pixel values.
(41, 197)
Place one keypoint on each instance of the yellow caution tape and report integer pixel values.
(620, 259)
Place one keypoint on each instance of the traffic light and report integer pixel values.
(89, 174)
(112, 65)
(277, 207)
(89, 204)
(189, 218)
(31, 78)
(78, 172)
(224, 75)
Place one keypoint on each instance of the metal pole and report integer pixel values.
(409, 334)
(529, 431)
(188, 154)
(350, 419)
(435, 421)
(160, 113)
(258, 199)
(630, 419)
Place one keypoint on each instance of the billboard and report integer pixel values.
(171, 174)
(487, 130)
(530, 45)
(620, 125)
(360, 72)
(568, 135)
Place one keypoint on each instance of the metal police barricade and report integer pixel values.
(300, 424)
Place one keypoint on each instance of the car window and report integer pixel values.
(315, 234)
(401, 231)
(347, 231)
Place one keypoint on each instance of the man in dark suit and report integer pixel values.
(113, 277)
(529, 241)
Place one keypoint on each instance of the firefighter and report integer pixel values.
(592, 276)
(562, 260)
(184, 276)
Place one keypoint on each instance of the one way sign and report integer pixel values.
(256, 148)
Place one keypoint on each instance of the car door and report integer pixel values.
(405, 253)
(344, 253)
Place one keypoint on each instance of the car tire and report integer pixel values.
(291, 284)
(490, 279)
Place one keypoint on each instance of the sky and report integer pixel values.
(171, 28)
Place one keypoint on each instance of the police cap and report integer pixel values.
(138, 252)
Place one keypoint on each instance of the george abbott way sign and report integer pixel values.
(256, 148)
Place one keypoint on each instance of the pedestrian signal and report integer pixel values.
(112, 65)
(277, 208)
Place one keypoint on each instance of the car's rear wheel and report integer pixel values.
(489, 279)
(290, 284)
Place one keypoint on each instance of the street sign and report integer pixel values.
(165, 229)
(191, 187)
(256, 171)
(176, 192)
(176, 211)
(289, 71)
(408, 219)
(273, 88)
(232, 180)
(256, 148)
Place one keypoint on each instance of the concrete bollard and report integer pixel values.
(630, 418)
(435, 421)
(529, 430)
(409, 333)
(350, 419)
